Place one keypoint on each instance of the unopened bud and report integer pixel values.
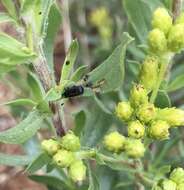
(70, 142)
(162, 20)
(77, 171)
(157, 41)
(50, 146)
(177, 175)
(149, 72)
(63, 158)
(124, 111)
(138, 95)
(168, 185)
(134, 148)
(114, 141)
(146, 112)
(173, 116)
(136, 129)
(159, 130)
(176, 38)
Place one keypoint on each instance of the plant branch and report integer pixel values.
(176, 8)
(42, 70)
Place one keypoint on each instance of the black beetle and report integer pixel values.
(72, 91)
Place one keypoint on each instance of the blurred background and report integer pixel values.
(98, 25)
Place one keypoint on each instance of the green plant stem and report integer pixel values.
(144, 179)
(165, 60)
(133, 168)
(41, 67)
(29, 37)
(86, 154)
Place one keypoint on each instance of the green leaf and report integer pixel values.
(54, 21)
(162, 151)
(40, 161)
(162, 99)
(14, 160)
(4, 17)
(53, 95)
(168, 4)
(78, 74)
(50, 181)
(110, 74)
(26, 6)
(80, 119)
(139, 16)
(176, 84)
(13, 52)
(5, 69)
(69, 61)
(24, 130)
(163, 170)
(35, 86)
(93, 181)
(43, 18)
(10, 7)
(101, 105)
(96, 125)
(20, 102)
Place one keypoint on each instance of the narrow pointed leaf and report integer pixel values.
(14, 160)
(110, 74)
(24, 130)
(40, 161)
(69, 61)
(13, 52)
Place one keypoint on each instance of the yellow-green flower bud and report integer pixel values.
(149, 72)
(100, 17)
(177, 175)
(134, 148)
(77, 171)
(136, 129)
(114, 141)
(180, 186)
(50, 146)
(146, 112)
(138, 95)
(157, 41)
(168, 185)
(159, 130)
(180, 19)
(173, 116)
(162, 20)
(70, 142)
(176, 38)
(124, 111)
(63, 158)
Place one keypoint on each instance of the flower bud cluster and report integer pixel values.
(166, 36)
(174, 182)
(101, 20)
(64, 153)
(143, 119)
(115, 142)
